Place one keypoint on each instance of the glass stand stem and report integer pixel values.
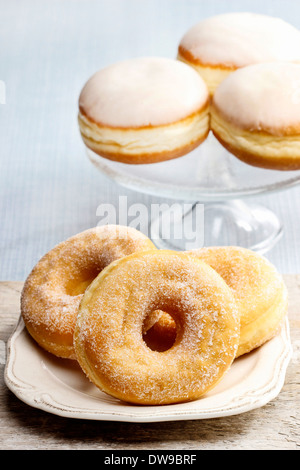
(235, 222)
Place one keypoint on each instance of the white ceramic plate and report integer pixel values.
(59, 386)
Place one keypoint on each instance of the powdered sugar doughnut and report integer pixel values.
(53, 290)
(109, 331)
(144, 110)
(218, 45)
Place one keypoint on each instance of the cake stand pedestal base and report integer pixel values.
(234, 222)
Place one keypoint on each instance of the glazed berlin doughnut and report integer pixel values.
(151, 326)
(144, 110)
(217, 46)
(53, 290)
(108, 336)
(255, 114)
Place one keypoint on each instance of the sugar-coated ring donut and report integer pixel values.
(109, 330)
(144, 110)
(53, 290)
(258, 288)
(218, 45)
(255, 114)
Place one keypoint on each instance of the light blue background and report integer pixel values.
(48, 188)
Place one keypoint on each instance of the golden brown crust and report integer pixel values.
(291, 130)
(189, 57)
(144, 158)
(282, 163)
(269, 148)
(201, 110)
(149, 144)
(212, 74)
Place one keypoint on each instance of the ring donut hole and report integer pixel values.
(77, 285)
(161, 330)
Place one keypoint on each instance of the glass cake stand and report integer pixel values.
(213, 191)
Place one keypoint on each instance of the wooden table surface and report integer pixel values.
(273, 426)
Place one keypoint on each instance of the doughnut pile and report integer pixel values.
(235, 75)
(150, 326)
(156, 327)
